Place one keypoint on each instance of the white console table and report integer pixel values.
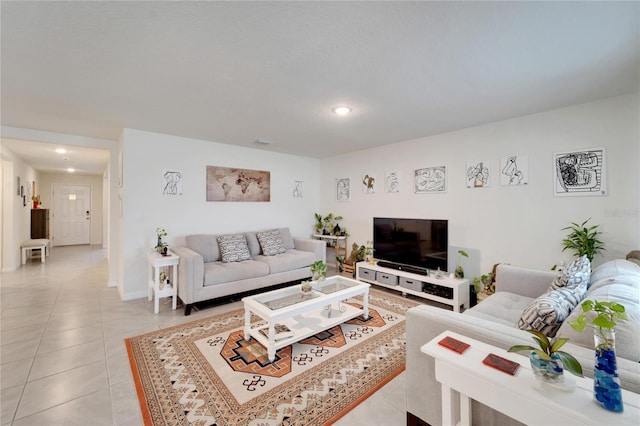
(520, 396)
(446, 290)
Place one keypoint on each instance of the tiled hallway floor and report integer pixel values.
(63, 359)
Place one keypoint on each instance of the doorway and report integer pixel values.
(71, 214)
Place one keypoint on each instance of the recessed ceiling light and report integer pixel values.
(341, 110)
(71, 170)
(61, 150)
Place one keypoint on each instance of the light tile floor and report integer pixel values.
(63, 360)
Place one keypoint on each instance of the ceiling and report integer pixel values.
(235, 72)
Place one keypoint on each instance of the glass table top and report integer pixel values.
(293, 295)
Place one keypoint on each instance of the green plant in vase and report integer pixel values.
(583, 240)
(161, 247)
(319, 225)
(318, 270)
(459, 272)
(547, 360)
(603, 317)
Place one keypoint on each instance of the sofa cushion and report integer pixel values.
(287, 261)
(577, 274)
(221, 272)
(287, 239)
(547, 312)
(270, 242)
(205, 245)
(627, 332)
(233, 248)
(502, 307)
(252, 243)
(617, 271)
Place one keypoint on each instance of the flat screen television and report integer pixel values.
(420, 244)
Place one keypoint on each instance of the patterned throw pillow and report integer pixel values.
(233, 248)
(271, 242)
(547, 313)
(577, 274)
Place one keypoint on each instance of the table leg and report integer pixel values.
(465, 410)
(149, 281)
(247, 324)
(156, 289)
(365, 305)
(175, 286)
(271, 349)
(447, 406)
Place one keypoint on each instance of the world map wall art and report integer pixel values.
(231, 184)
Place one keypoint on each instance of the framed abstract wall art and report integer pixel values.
(514, 170)
(231, 184)
(343, 189)
(580, 173)
(430, 180)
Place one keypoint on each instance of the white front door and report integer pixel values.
(71, 214)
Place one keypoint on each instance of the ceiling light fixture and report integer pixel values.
(71, 170)
(262, 142)
(61, 150)
(341, 110)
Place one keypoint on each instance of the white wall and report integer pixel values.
(146, 156)
(16, 215)
(519, 225)
(94, 181)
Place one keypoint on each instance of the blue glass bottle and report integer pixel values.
(606, 383)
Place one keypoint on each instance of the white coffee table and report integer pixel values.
(304, 314)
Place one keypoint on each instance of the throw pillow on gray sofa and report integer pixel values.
(233, 248)
(271, 242)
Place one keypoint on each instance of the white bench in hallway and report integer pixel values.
(41, 244)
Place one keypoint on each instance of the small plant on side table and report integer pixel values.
(318, 270)
(544, 358)
(161, 247)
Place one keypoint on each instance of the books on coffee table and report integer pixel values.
(281, 331)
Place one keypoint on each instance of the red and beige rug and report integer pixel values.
(204, 373)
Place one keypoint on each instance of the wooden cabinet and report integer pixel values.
(40, 223)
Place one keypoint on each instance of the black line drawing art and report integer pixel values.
(392, 182)
(478, 175)
(343, 189)
(298, 186)
(369, 184)
(514, 170)
(171, 183)
(580, 173)
(430, 180)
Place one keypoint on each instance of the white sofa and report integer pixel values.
(203, 275)
(494, 320)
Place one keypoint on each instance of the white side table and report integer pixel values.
(157, 261)
(521, 396)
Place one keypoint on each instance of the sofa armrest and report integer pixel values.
(190, 273)
(523, 281)
(317, 247)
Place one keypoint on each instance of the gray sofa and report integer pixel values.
(494, 321)
(203, 275)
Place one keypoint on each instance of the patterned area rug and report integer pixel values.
(204, 373)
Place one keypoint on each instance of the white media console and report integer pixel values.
(446, 290)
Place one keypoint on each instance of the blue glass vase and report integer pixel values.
(606, 383)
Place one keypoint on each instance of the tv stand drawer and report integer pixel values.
(411, 284)
(368, 274)
(386, 278)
